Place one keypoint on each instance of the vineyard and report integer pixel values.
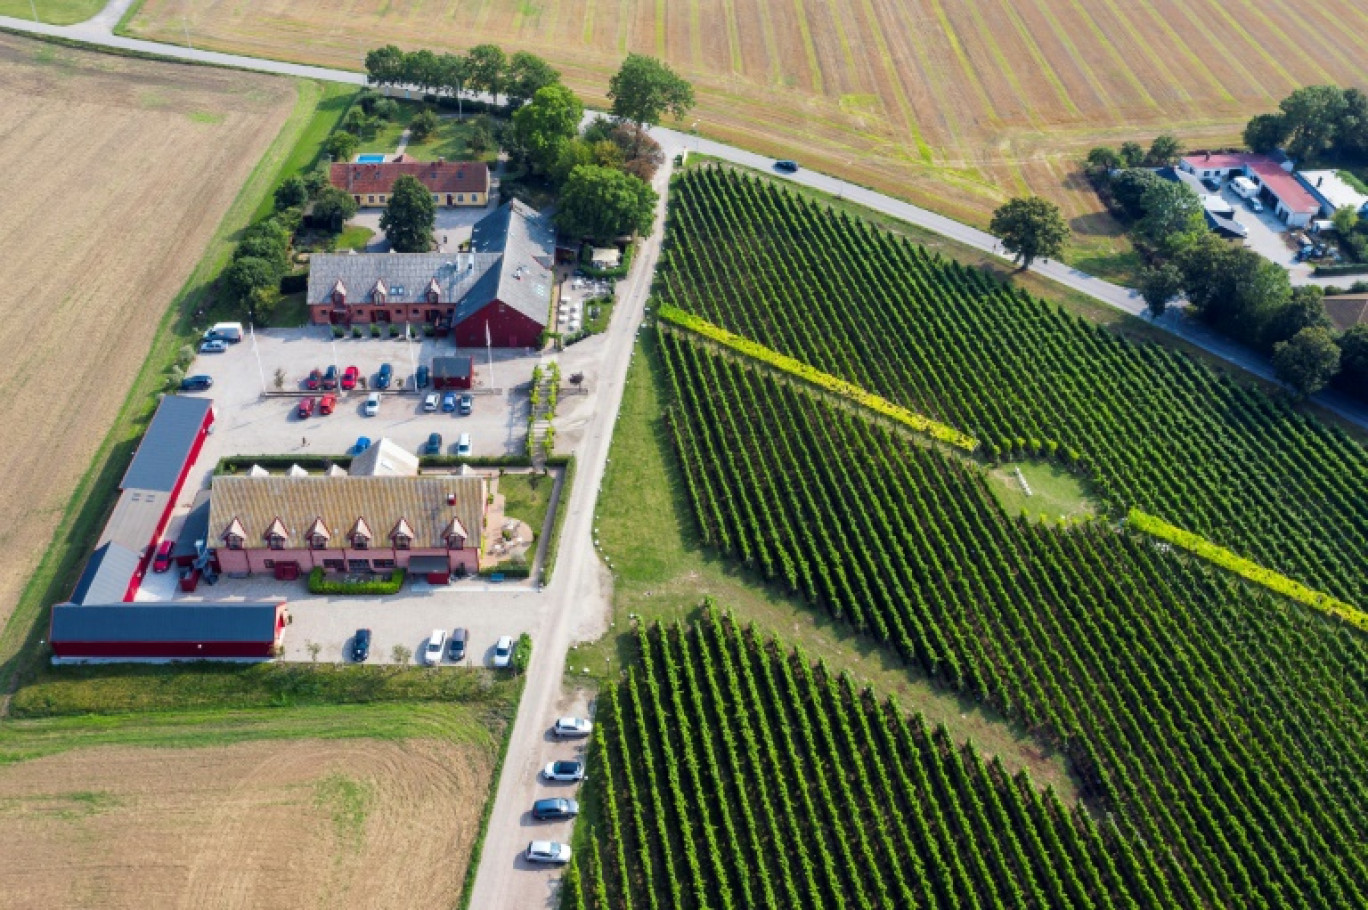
(733, 774)
(1152, 429)
(1221, 731)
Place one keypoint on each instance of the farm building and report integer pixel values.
(147, 495)
(1221, 165)
(498, 293)
(1285, 194)
(1347, 310)
(166, 631)
(287, 526)
(453, 372)
(451, 183)
(1332, 192)
(1216, 211)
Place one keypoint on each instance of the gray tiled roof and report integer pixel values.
(166, 444)
(513, 249)
(196, 527)
(163, 622)
(106, 575)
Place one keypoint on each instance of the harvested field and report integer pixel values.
(953, 103)
(120, 172)
(290, 824)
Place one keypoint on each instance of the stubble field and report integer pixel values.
(956, 104)
(119, 171)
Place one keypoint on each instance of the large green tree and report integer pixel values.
(409, 216)
(1308, 361)
(245, 277)
(341, 145)
(1305, 309)
(528, 74)
(1265, 132)
(1030, 228)
(1128, 189)
(1159, 286)
(1173, 214)
(488, 69)
(453, 72)
(1312, 115)
(644, 88)
(1164, 150)
(542, 128)
(291, 193)
(1353, 377)
(385, 65)
(600, 203)
(1231, 287)
(333, 208)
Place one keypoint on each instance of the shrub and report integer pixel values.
(389, 584)
(522, 653)
(338, 331)
(375, 330)
(356, 331)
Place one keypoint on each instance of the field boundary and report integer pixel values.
(813, 376)
(1248, 569)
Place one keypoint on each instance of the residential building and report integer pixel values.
(451, 183)
(453, 372)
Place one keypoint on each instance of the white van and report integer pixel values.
(1244, 187)
(230, 332)
(432, 652)
(463, 444)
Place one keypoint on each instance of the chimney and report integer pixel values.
(441, 159)
(1208, 157)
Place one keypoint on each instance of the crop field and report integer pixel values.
(953, 103)
(120, 171)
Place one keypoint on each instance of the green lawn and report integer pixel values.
(53, 12)
(307, 150)
(353, 237)
(527, 496)
(449, 141)
(645, 529)
(1055, 493)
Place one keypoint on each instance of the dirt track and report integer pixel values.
(293, 824)
(119, 171)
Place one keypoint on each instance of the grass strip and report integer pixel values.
(477, 848)
(1252, 571)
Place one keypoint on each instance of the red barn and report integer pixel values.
(166, 631)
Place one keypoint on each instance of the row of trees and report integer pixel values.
(1165, 150)
(1314, 121)
(485, 68)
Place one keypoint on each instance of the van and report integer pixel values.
(432, 653)
(463, 444)
(1244, 187)
(230, 332)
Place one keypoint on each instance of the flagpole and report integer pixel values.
(489, 352)
(261, 371)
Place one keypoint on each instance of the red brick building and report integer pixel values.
(451, 183)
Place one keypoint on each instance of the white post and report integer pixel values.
(34, 5)
(413, 365)
(261, 371)
(332, 343)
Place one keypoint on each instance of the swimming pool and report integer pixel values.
(370, 159)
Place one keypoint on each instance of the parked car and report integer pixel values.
(383, 378)
(305, 409)
(231, 332)
(1212, 183)
(162, 561)
(572, 728)
(449, 402)
(213, 346)
(456, 645)
(785, 165)
(463, 444)
(467, 403)
(362, 444)
(313, 380)
(556, 809)
(430, 402)
(372, 406)
(361, 642)
(326, 404)
(565, 771)
(436, 643)
(330, 378)
(197, 383)
(434, 444)
(503, 651)
(349, 377)
(423, 376)
(1254, 205)
(548, 851)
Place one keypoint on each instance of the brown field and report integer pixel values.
(289, 824)
(119, 173)
(955, 104)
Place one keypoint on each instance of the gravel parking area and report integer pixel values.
(451, 226)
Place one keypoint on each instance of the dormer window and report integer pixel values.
(402, 535)
(361, 535)
(235, 536)
(276, 535)
(319, 535)
(379, 292)
(339, 293)
(434, 291)
(455, 535)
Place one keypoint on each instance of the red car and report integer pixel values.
(315, 377)
(326, 404)
(349, 377)
(162, 562)
(306, 406)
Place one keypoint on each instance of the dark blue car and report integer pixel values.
(382, 379)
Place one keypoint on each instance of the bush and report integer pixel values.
(338, 331)
(1348, 268)
(522, 653)
(390, 584)
(514, 568)
(294, 283)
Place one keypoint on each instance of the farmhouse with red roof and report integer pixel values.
(1279, 189)
(451, 183)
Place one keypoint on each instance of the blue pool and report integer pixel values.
(370, 159)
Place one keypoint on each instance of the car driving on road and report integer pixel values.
(557, 809)
(572, 728)
(565, 771)
(785, 165)
(547, 851)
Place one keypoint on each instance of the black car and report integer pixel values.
(330, 378)
(382, 379)
(456, 645)
(197, 383)
(434, 444)
(422, 376)
(785, 165)
(554, 809)
(361, 645)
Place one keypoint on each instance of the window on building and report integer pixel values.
(370, 198)
(460, 197)
(360, 543)
(275, 542)
(319, 542)
(268, 563)
(336, 564)
(383, 563)
(401, 543)
(358, 565)
(235, 543)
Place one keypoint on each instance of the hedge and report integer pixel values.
(1348, 268)
(1280, 584)
(797, 368)
(388, 585)
(507, 570)
(522, 653)
(234, 464)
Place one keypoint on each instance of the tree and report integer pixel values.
(267, 249)
(1103, 159)
(422, 68)
(528, 74)
(1305, 309)
(1265, 132)
(246, 275)
(481, 136)
(453, 72)
(1353, 376)
(1173, 213)
(644, 88)
(1030, 228)
(341, 145)
(600, 203)
(488, 69)
(291, 192)
(543, 127)
(1164, 150)
(333, 208)
(385, 65)
(1160, 285)
(1308, 361)
(315, 180)
(1128, 189)
(423, 125)
(409, 216)
(1351, 138)
(1132, 154)
(1313, 115)
(1231, 287)
(641, 156)
(1345, 219)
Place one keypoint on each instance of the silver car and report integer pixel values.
(548, 851)
(572, 728)
(564, 771)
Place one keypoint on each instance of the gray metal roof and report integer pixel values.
(452, 367)
(163, 622)
(528, 243)
(166, 444)
(106, 575)
(135, 518)
(196, 527)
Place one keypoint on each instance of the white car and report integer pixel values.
(372, 404)
(430, 402)
(566, 771)
(572, 728)
(503, 651)
(432, 652)
(463, 444)
(548, 851)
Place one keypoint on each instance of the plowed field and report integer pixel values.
(118, 173)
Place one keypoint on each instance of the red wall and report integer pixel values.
(167, 649)
(507, 328)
